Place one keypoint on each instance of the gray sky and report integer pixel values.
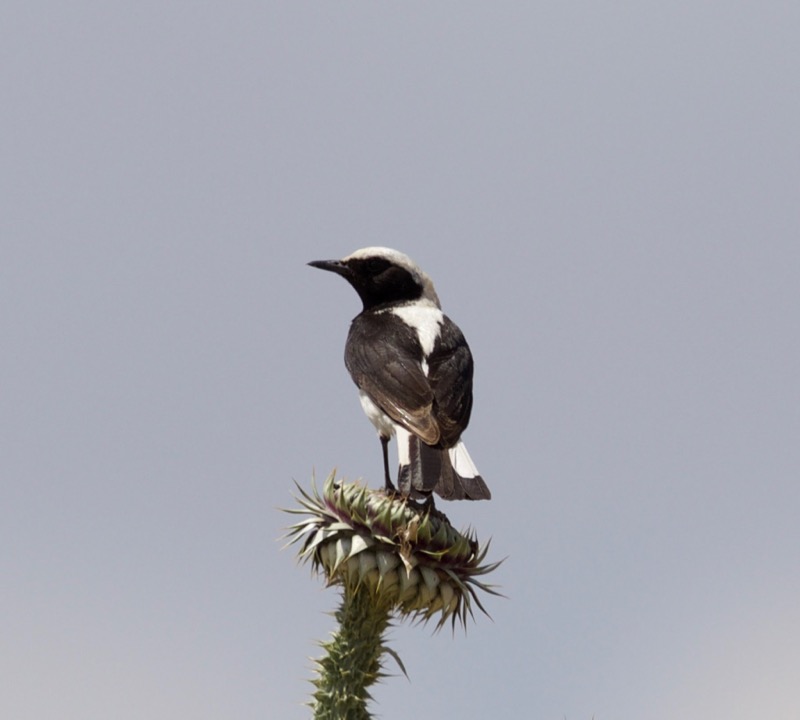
(606, 195)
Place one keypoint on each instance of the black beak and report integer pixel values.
(336, 266)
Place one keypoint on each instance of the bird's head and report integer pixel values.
(382, 276)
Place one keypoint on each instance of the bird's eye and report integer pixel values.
(375, 266)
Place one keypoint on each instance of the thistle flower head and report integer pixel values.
(412, 561)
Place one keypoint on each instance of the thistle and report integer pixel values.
(393, 559)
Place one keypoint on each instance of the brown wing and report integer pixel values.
(391, 373)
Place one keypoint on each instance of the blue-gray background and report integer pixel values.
(607, 196)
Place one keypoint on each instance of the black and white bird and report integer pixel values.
(413, 369)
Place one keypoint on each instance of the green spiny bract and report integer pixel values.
(409, 560)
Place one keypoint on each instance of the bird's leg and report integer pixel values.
(388, 480)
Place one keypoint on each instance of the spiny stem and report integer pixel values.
(354, 657)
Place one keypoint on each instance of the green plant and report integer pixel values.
(392, 558)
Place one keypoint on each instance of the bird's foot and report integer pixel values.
(389, 488)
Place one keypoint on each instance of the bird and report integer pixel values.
(413, 369)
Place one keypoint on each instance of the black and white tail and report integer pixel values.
(450, 473)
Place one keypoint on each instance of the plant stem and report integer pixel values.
(353, 657)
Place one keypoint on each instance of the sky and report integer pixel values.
(607, 196)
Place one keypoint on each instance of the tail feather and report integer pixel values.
(472, 483)
(449, 473)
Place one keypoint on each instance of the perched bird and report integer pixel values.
(413, 369)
